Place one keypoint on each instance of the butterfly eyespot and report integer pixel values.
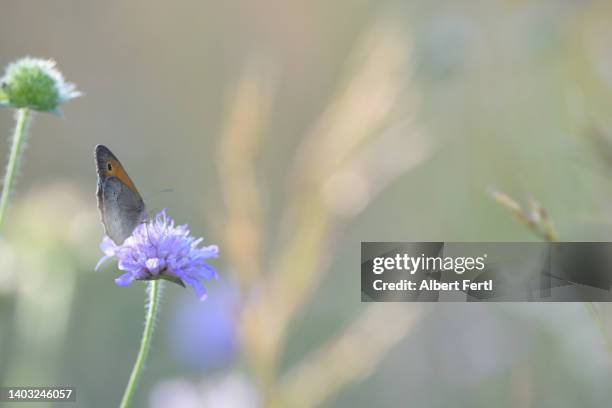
(109, 167)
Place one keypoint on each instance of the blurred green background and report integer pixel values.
(510, 94)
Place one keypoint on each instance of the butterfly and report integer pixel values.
(120, 204)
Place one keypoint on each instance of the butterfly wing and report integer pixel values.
(120, 204)
(122, 210)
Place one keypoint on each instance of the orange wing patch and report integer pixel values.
(114, 169)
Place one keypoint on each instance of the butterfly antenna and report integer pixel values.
(165, 190)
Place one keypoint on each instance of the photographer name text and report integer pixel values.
(433, 285)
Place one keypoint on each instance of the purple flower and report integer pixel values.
(159, 250)
(204, 336)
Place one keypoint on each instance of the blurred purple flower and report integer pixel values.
(204, 336)
(159, 250)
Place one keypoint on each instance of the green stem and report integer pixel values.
(145, 343)
(23, 117)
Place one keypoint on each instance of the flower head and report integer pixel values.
(159, 250)
(35, 84)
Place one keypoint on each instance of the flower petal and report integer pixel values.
(101, 261)
(153, 265)
(124, 279)
(199, 289)
(108, 246)
(211, 251)
(206, 272)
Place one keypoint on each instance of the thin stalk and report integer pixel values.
(535, 217)
(145, 343)
(590, 306)
(550, 233)
(23, 118)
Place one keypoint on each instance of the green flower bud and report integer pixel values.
(35, 84)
